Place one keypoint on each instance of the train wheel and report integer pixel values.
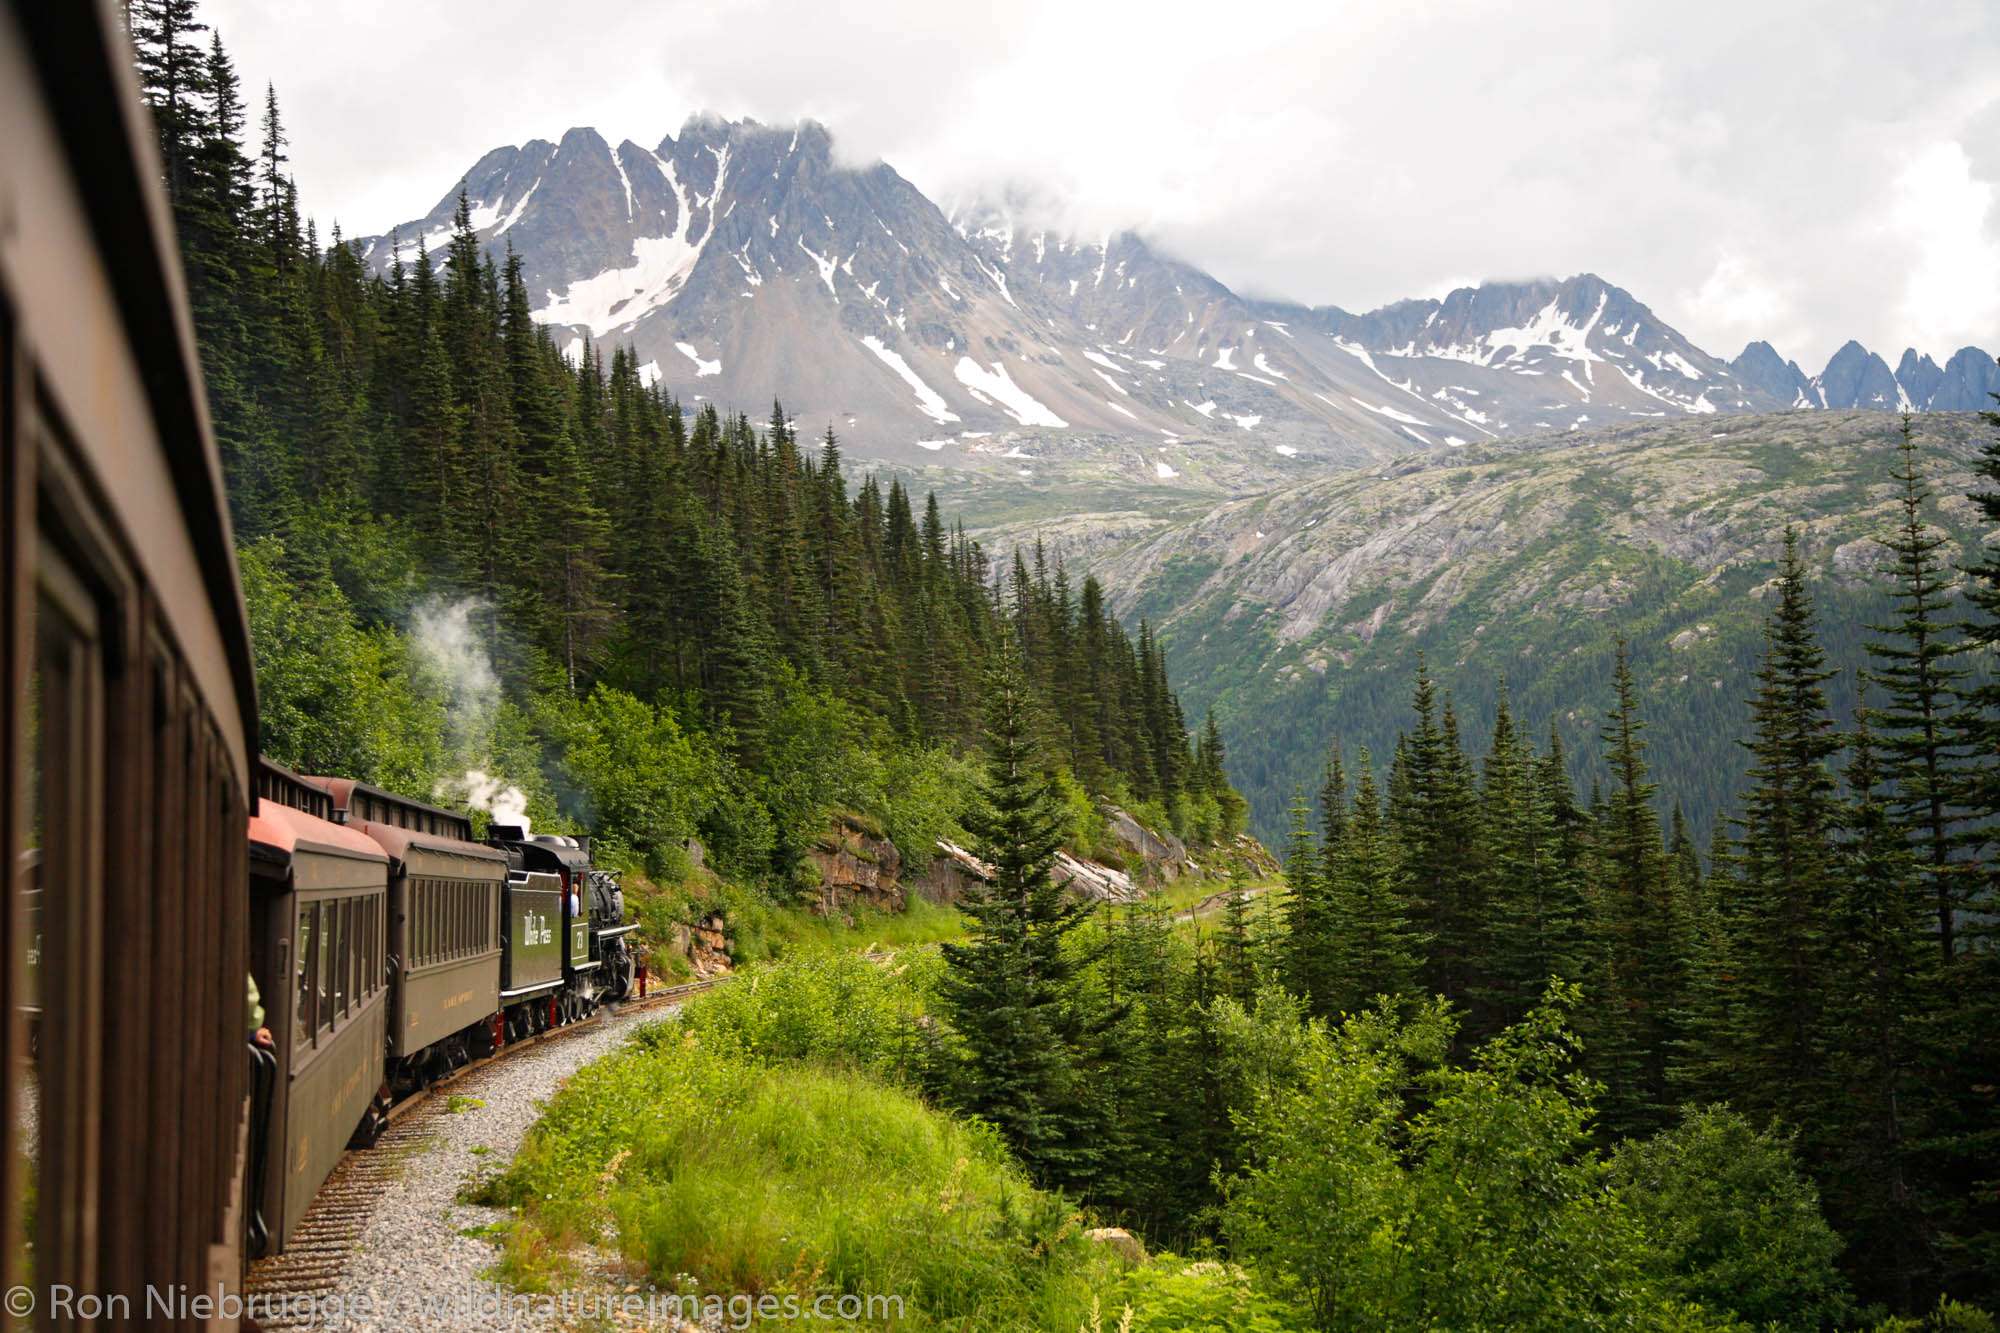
(374, 1120)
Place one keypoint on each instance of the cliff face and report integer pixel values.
(858, 866)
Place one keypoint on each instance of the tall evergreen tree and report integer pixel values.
(1633, 918)
(1914, 666)
(1532, 911)
(1785, 853)
(1881, 976)
(1006, 987)
(1376, 940)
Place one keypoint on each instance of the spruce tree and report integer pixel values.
(1431, 818)
(1785, 854)
(1236, 956)
(1914, 667)
(1641, 981)
(1880, 998)
(1006, 987)
(1306, 914)
(1378, 942)
(1531, 909)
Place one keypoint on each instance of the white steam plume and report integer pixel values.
(447, 637)
(505, 802)
(448, 641)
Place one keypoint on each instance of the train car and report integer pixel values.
(319, 910)
(444, 940)
(128, 712)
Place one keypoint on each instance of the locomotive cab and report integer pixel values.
(598, 965)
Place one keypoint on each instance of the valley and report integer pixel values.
(1300, 614)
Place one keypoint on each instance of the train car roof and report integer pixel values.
(93, 268)
(345, 791)
(398, 841)
(292, 832)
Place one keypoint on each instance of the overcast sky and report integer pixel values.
(1803, 172)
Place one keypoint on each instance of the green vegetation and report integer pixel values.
(755, 1148)
(1379, 1183)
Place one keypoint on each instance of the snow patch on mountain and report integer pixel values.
(929, 401)
(999, 385)
(701, 367)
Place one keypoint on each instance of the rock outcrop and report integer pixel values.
(1157, 856)
(1088, 879)
(951, 872)
(856, 866)
(705, 944)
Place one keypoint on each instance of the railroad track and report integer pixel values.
(298, 1281)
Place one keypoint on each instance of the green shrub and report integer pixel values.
(1733, 1222)
(1172, 1295)
(1479, 1207)
(1949, 1317)
(832, 1009)
(1084, 831)
(762, 929)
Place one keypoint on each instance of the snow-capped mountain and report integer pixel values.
(743, 262)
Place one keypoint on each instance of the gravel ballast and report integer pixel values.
(414, 1266)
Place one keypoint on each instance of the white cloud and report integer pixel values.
(1952, 293)
(1353, 153)
(1739, 299)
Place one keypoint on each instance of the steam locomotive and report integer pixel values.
(391, 948)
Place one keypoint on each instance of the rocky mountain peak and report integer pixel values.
(742, 261)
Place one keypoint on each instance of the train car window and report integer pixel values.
(302, 1006)
(339, 912)
(325, 952)
(357, 940)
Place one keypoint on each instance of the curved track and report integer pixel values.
(310, 1268)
